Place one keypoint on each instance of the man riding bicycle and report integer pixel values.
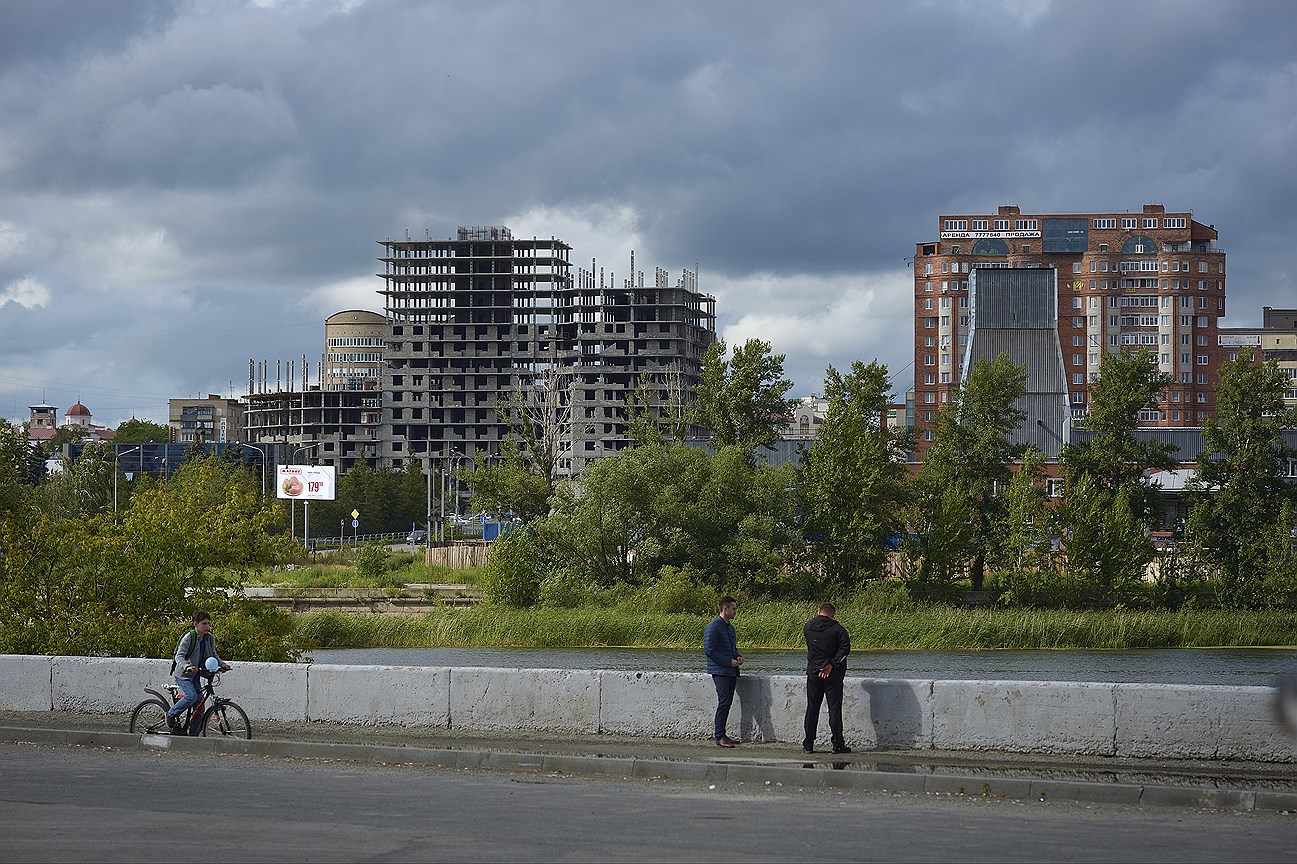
(196, 646)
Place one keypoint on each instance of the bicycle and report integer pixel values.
(214, 713)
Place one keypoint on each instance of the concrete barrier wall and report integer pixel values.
(1001, 715)
(538, 700)
(1064, 718)
(25, 683)
(379, 695)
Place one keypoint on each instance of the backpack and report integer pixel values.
(193, 643)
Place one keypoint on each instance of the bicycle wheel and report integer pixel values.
(149, 717)
(228, 719)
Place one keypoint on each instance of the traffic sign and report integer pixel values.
(355, 514)
(355, 523)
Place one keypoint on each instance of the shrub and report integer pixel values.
(518, 564)
(371, 560)
(678, 589)
(882, 595)
(564, 589)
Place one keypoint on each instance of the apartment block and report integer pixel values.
(482, 316)
(1152, 279)
(1275, 339)
(214, 420)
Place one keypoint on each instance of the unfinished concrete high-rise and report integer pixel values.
(484, 317)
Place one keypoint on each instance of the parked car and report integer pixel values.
(417, 536)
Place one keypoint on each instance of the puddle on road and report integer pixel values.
(1276, 781)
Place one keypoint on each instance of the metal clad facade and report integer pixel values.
(1015, 297)
(1014, 312)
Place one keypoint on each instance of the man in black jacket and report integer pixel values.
(827, 647)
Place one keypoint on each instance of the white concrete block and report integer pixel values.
(667, 704)
(1137, 720)
(1024, 716)
(768, 707)
(25, 682)
(876, 712)
(560, 700)
(378, 695)
(267, 691)
(104, 685)
(1201, 722)
(887, 712)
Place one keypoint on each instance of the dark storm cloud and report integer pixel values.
(185, 186)
(53, 32)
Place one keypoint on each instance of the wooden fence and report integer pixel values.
(460, 555)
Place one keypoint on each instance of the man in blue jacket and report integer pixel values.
(721, 646)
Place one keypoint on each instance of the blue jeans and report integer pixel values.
(725, 685)
(189, 686)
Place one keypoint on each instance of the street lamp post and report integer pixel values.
(427, 537)
(441, 477)
(263, 465)
(117, 455)
(454, 478)
(292, 502)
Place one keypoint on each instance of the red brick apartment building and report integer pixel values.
(1149, 279)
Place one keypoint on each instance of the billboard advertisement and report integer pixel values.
(305, 482)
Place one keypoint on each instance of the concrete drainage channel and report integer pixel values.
(918, 778)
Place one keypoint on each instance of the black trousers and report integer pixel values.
(819, 690)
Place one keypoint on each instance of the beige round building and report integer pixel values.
(354, 342)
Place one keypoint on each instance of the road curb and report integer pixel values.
(788, 773)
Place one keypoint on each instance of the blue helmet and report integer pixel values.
(212, 664)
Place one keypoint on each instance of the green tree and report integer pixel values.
(1106, 547)
(389, 500)
(743, 403)
(518, 562)
(854, 483)
(1113, 455)
(942, 518)
(972, 453)
(509, 484)
(1105, 471)
(14, 454)
(1025, 542)
(657, 410)
(142, 432)
(80, 583)
(1243, 494)
(83, 488)
(63, 435)
(652, 507)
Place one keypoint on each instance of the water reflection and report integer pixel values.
(1224, 666)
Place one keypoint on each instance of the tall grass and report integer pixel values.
(774, 625)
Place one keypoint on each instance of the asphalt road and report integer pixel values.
(60, 803)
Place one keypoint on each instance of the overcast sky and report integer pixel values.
(186, 186)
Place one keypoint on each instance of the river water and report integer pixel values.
(1253, 667)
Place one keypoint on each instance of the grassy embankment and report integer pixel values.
(779, 626)
(761, 624)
